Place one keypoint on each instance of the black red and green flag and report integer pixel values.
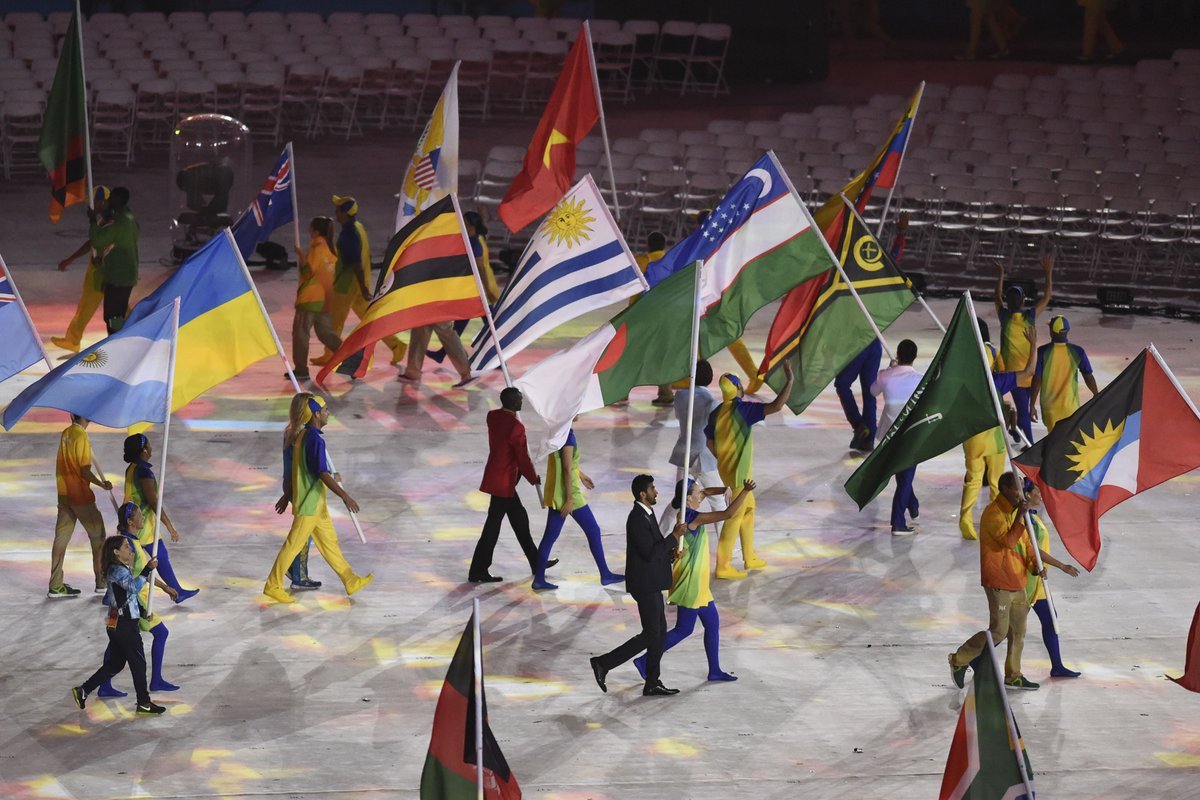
(62, 143)
(982, 764)
(1138, 432)
(449, 772)
(952, 403)
(820, 329)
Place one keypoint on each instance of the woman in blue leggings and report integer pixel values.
(141, 487)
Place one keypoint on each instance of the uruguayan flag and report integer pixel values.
(576, 262)
(116, 382)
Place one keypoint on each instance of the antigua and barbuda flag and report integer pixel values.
(1138, 432)
(433, 170)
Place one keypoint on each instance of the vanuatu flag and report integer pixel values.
(820, 328)
(427, 278)
(1139, 431)
(449, 772)
(61, 147)
(983, 764)
(952, 403)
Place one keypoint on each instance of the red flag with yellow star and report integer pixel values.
(549, 169)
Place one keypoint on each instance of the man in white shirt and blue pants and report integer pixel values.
(896, 384)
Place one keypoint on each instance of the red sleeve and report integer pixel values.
(521, 452)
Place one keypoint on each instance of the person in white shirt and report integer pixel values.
(896, 384)
(704, 463)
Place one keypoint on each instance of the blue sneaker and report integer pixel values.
(185, 594)
(543, 585)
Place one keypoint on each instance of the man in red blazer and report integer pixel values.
(508, 460)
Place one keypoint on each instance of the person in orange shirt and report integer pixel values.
(314, 294)
(76, 503)
(1006, 560)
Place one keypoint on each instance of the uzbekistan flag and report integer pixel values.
(982, 764)
(433, 170)
(427, 277)
(449, 772)
(1138, 432)
(64, 127)
(758, 244)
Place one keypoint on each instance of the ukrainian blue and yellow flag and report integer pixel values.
(433, 171)
(222, 327)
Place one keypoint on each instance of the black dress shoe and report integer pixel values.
(601, 673)
(551, 563)
(658, 690)
(485, 578)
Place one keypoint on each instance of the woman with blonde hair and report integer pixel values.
(307, 477)
(313, 294)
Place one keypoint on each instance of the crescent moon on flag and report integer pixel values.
(763, 176)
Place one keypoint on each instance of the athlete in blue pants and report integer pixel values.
(864, 369)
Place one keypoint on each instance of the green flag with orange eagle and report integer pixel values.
(62, 147)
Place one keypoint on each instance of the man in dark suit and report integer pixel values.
(647, 575)
(508, 460)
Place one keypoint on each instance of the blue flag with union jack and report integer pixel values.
(270, 209)
(22, 348)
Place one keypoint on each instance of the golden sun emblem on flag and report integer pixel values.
(568, 223)
(94, 360)
(1091, 449)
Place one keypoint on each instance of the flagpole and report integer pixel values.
(295, 199)
(1009, 720)
(87, 132)
(691, 404)
(162, 462)
(887, 204)
(478, 654)
(487, 313)
(279, 346)
(1029, 528)
(612, 176)
(837, 263)
(1163, 365)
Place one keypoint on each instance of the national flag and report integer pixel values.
(117, 382)
(1190, 679)
(820, 328)
(549, 169)
(222, 326)
(22, 345)
(426, 278)
(880, 174)
(433, 170)
(62, 145)
(952, 403)
(759, 243)
(1138, 432)
(982, 764)
(576, 262)
(272, 208)
(450, 772)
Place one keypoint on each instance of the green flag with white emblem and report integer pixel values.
(952, 403)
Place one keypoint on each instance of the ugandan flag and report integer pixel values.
(1138, 432)
(820, 328)
(61, 145)
(426, 278)
(449, 772)
(982, 764)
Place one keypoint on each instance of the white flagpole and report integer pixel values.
(612, 176)
(887, 204)
(87, 132)
(1009, 719)
(295, 197)
(850, 285)
(478, 654)
(1029, 528)
(162, 463)
(279, 346)
(691, 400)
(1170, 376)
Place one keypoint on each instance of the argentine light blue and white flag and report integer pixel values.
(22, 348)
(116, 382)
(576, 262)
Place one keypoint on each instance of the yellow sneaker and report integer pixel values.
(754, 562)
(358, 582)
(730, 574)
(64, 343)
(279, 595)
(968, 533)
(400, 354)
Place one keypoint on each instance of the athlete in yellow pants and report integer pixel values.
(306, 479)
(985, 455)
(93, 279)
(741, 354)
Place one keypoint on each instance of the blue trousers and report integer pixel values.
(1049, 637)
(164, 569)
(864, 369)
(685, 623)
(554, 525)
(1022, 398)
(905, 499)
